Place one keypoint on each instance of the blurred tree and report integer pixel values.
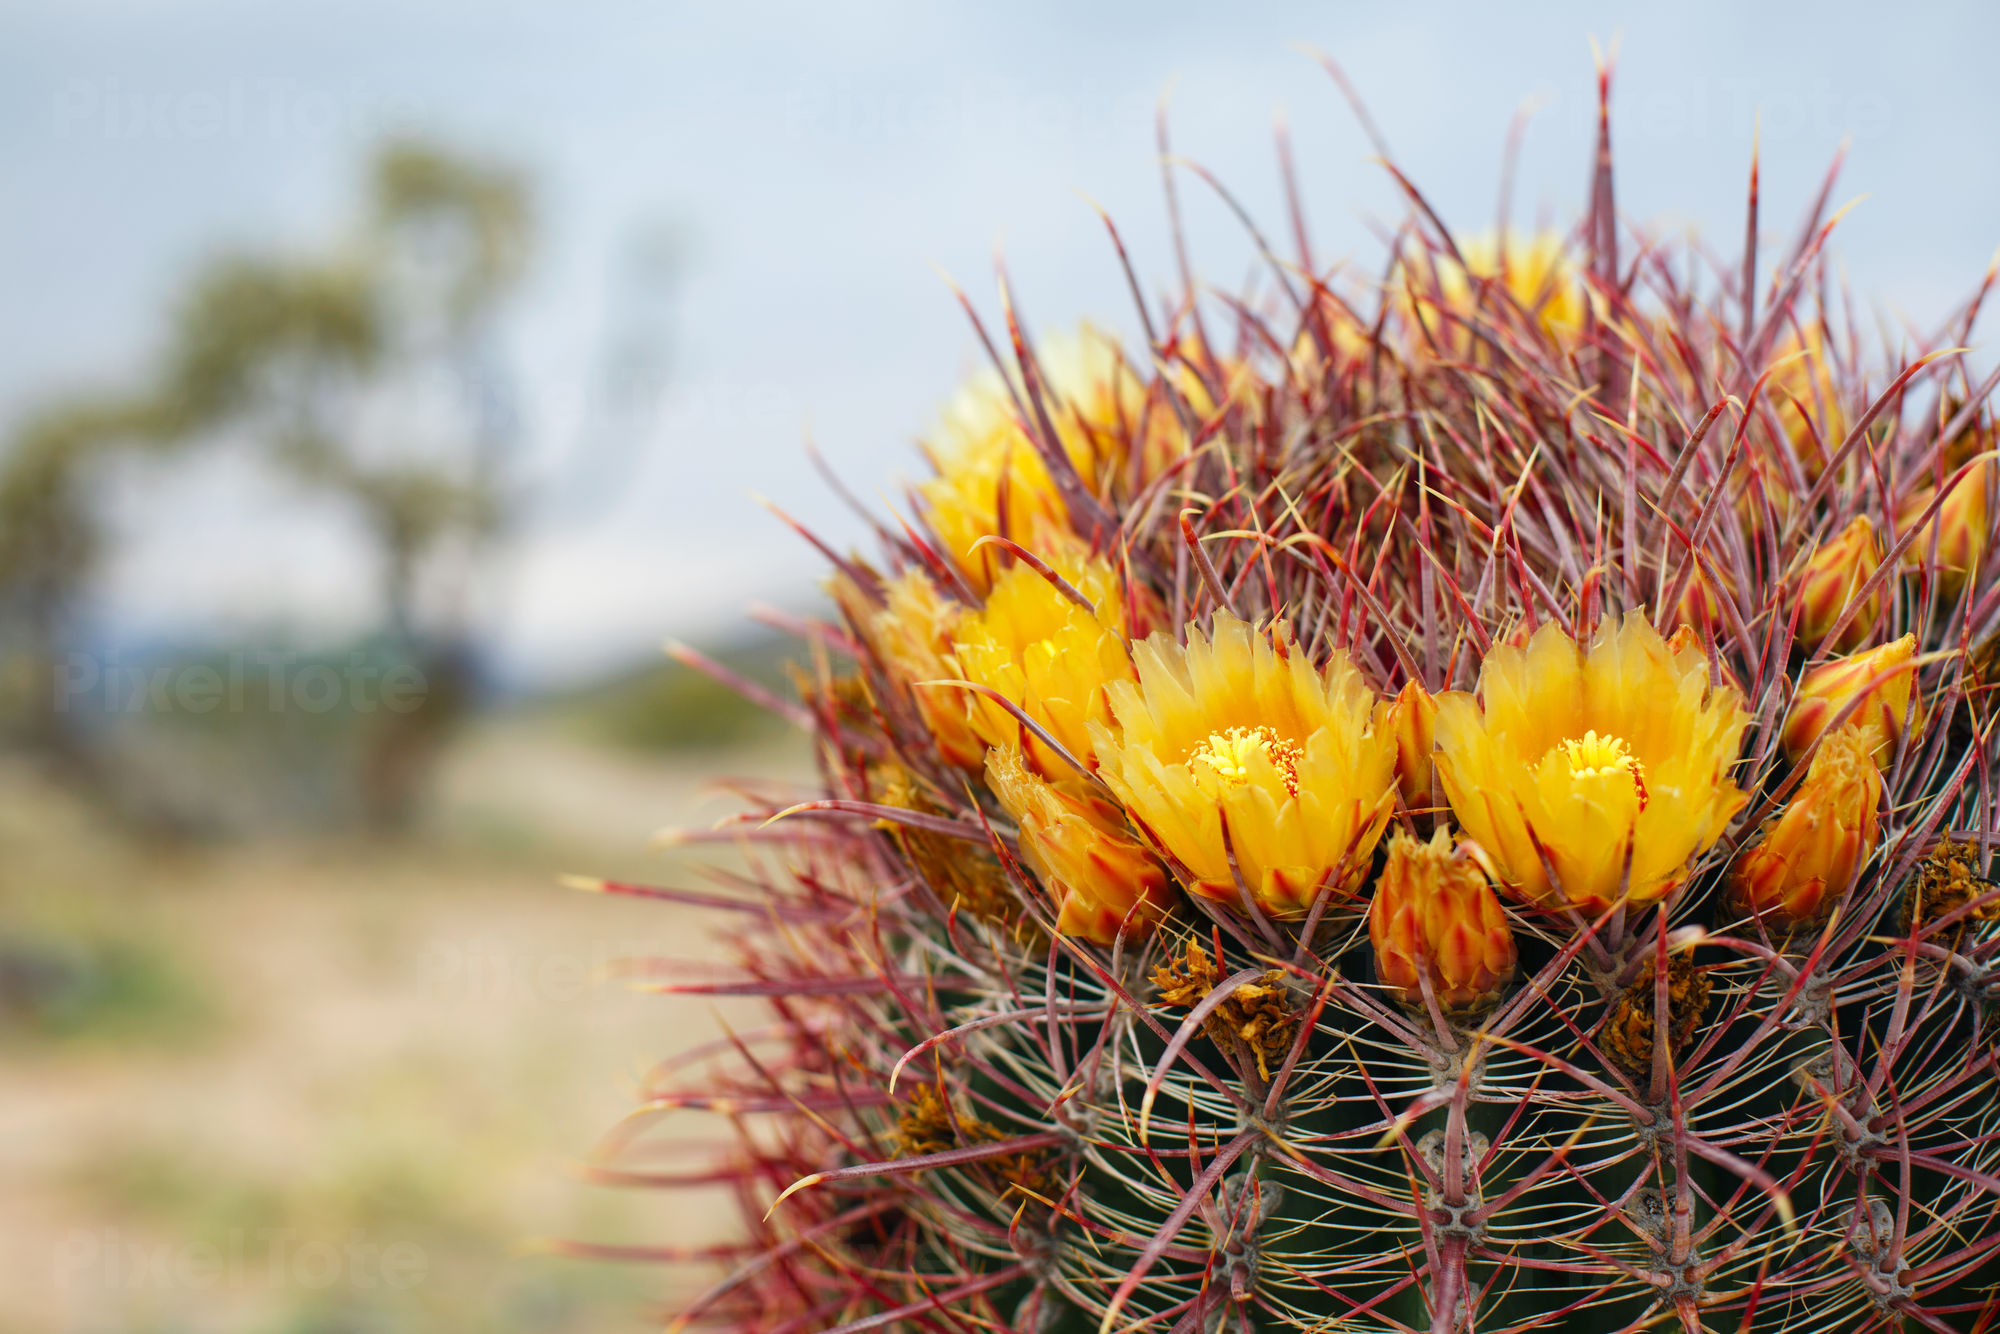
(374, 378)
(370, 375)
(49, 541)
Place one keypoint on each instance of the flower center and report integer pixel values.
(1594, 756)
(1227, 755)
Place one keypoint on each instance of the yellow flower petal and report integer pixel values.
(1033, 644)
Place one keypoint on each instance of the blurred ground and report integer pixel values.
(315, 1084)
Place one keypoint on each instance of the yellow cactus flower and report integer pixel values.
(963, 505)
(1434, 915)
(1093, 399)
(911, 635)
(1336, 331)
(1206, 384)
(1591, 773)
(1832, 576)
(1538, 274)
(1033, 644)
(1810, 854)
(1880, 678)
(1411, 718)
(1237, 729)
(1102, 879)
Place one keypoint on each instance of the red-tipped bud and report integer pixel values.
(1101, 878)
(1434, 915)
(1701, 600)
(1879, 679)
(1962, 527)
(1829, 582)
(1411, 718)
(1685, 640)
(1811, 853)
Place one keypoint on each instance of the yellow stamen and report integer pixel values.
(1595, 756)
(1227, 754)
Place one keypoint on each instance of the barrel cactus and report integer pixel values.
(1457, 800)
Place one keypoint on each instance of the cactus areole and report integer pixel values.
(1455, 798)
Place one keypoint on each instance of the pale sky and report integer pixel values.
(822, 162)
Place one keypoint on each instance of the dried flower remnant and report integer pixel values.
(931, 1125)
(1258, 1014)
(961, 873)
(1630, 1030)
(1948, 885)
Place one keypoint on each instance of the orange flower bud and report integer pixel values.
(1434, 911)
(1832, 576)
(1077, 842)
(1963, 525)
(1879, 678)
(1410, 718)
(1810, 854)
